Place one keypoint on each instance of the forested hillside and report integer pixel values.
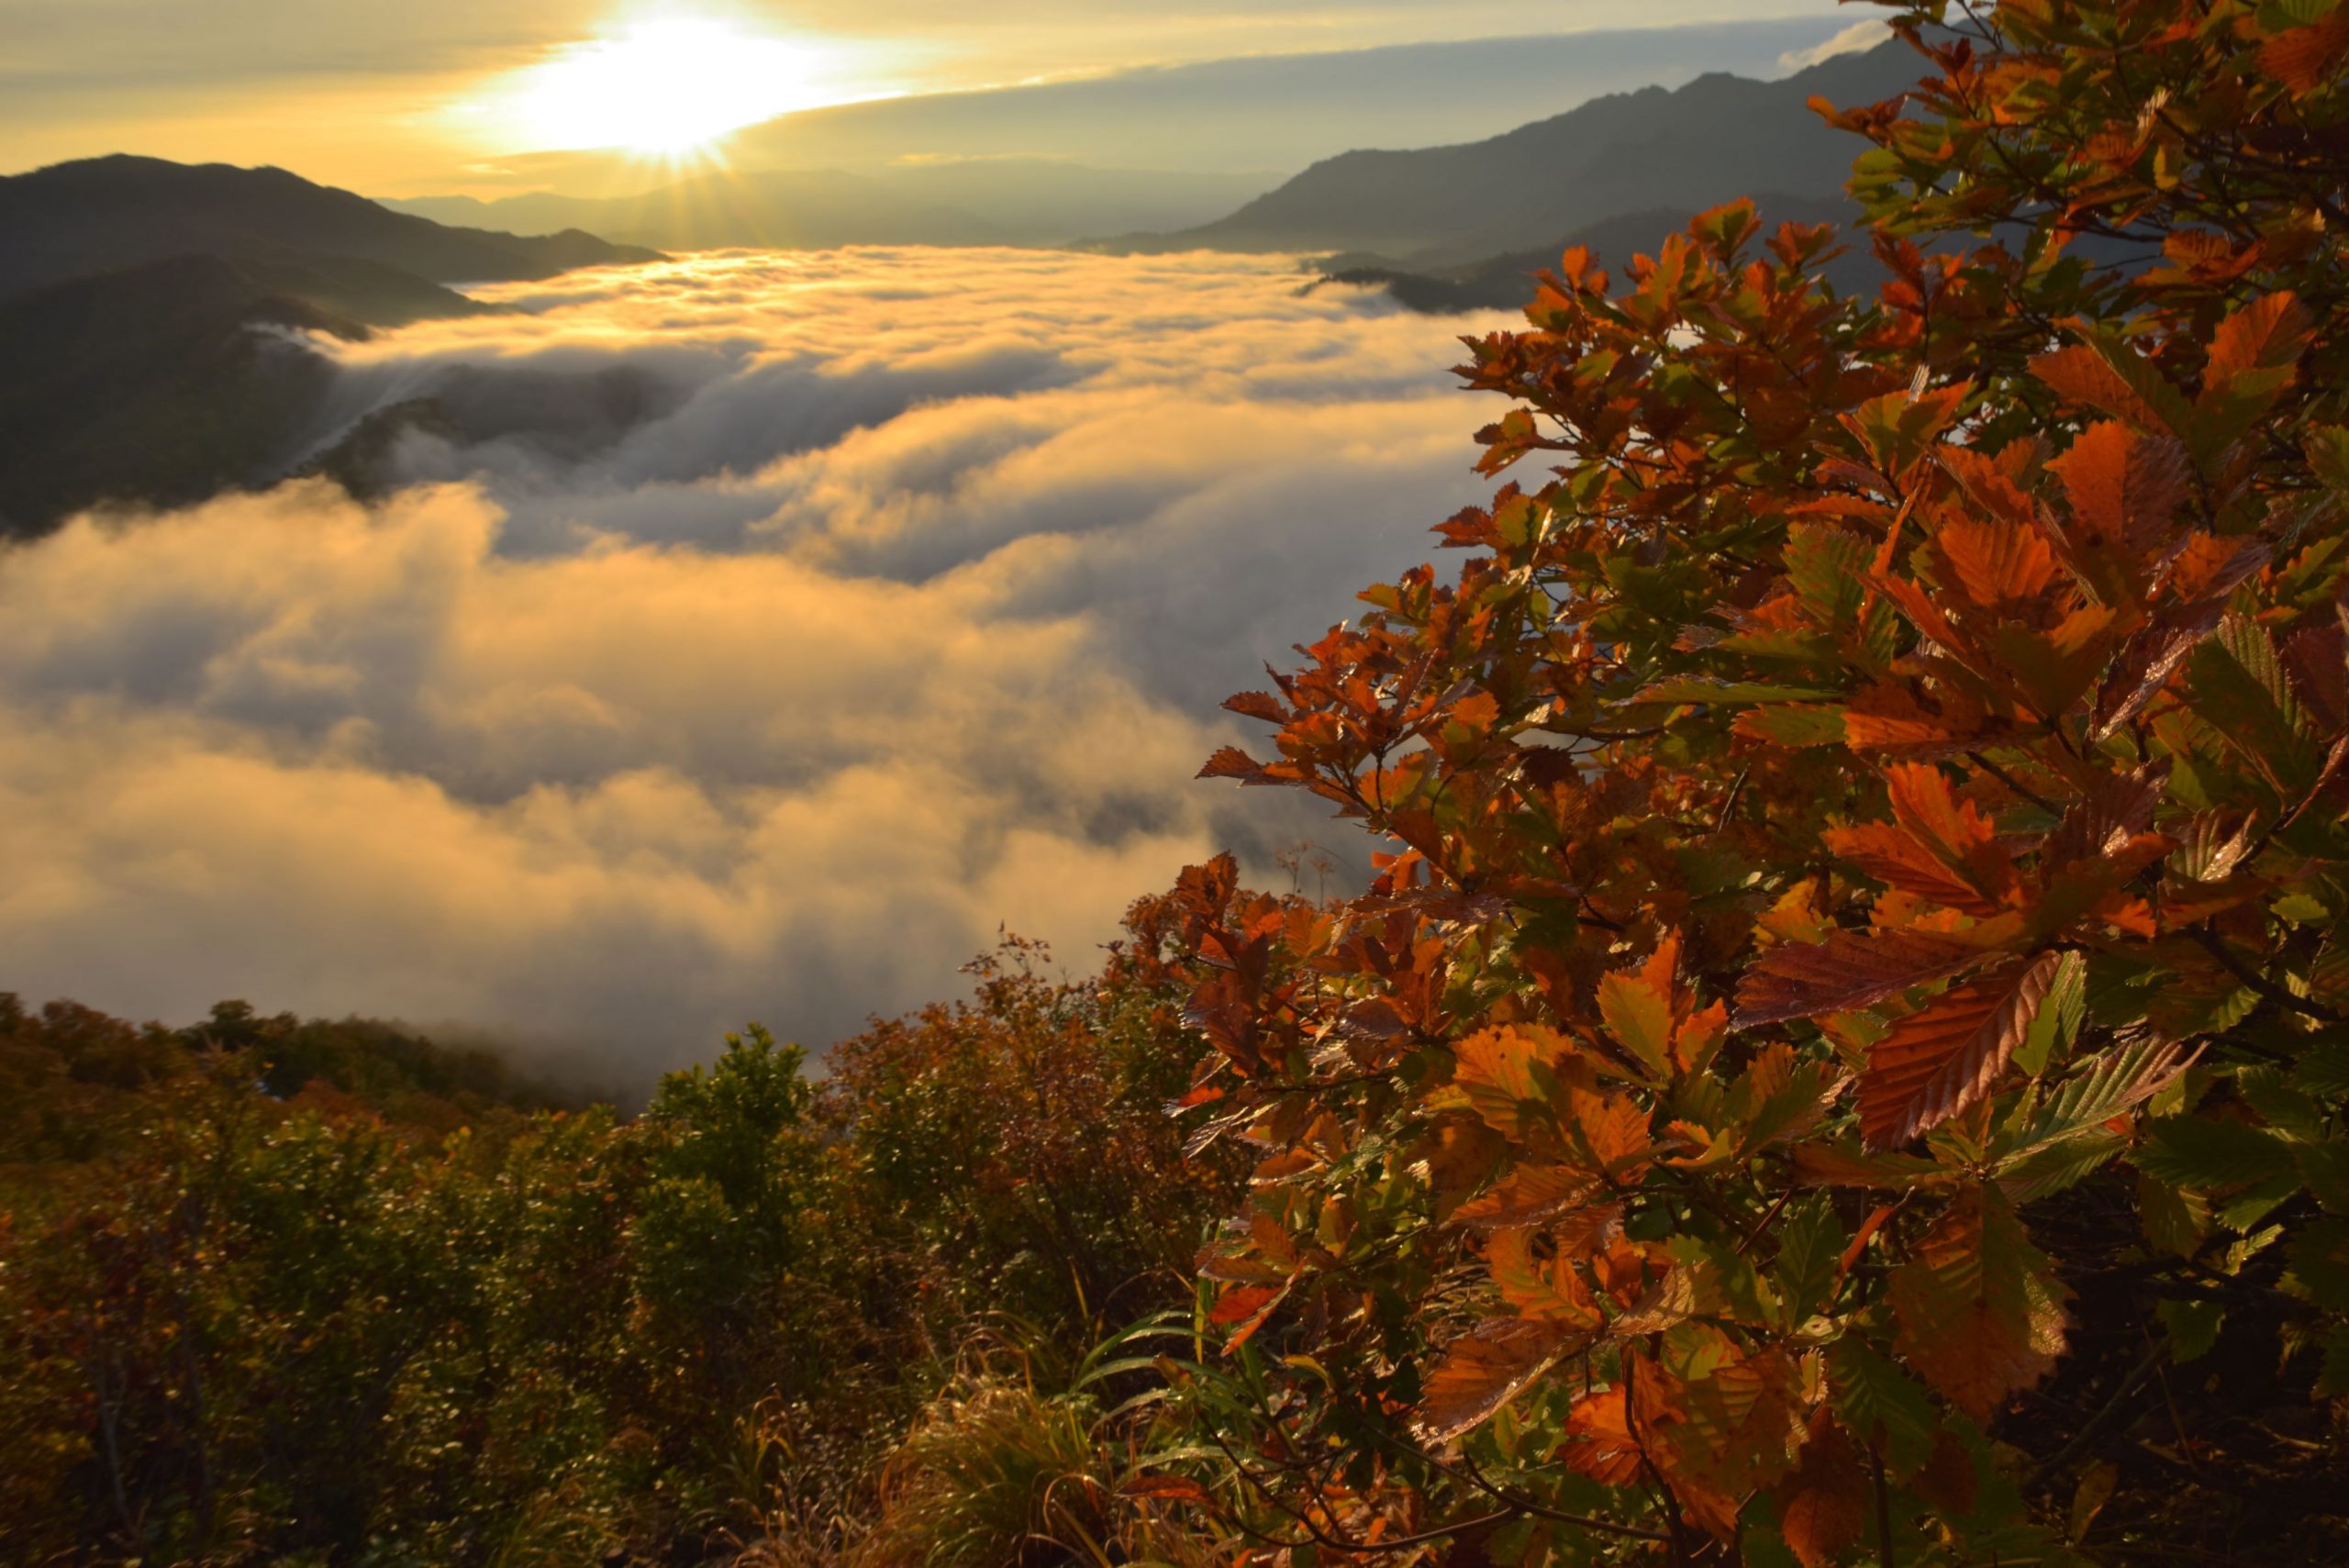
(152, 316)
(285, 1291)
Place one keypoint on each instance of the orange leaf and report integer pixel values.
(1613, 1128)
(2124, 489)
(1166, 1489)
(1979, 1309)
(1484, 1369)
(1995, 562)
(1966, 841)
(1247, 1306)
(1638, 1012)
(1598, 1442)
(1546, 1288)
(1897, 860)
(1900, 716)
(2303, 59)
(1823, 1507)
(2268, 334)
(1231, 763)
(1507, 1073)
(2085, 376)
(1937, 1063)
(1527, 1195)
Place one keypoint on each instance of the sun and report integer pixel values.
(667, 86)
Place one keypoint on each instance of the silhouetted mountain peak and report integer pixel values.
(102, 213)
(1677, 149)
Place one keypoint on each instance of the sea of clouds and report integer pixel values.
(747, 637)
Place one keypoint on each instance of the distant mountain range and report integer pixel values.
(974, 201)
(1452, 227)
(1260, 116)
(151, 315)
(1653, 152)
(105, 213)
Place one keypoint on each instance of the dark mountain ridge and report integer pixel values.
(157, 321)
(1655, 150)
(102, 214)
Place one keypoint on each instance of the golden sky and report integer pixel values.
(392, 97)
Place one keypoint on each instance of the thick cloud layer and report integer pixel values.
(748, 638)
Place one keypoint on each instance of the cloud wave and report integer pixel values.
(743, 638)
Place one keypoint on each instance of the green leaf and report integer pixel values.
(1810, 1246)
(2059, 1019)
(1727, 693)
(2174, 1219)
(2052, 1168)
(2327, 452)
(2106, 1085)
(2193, 1328)
(2240, 689)
(2332, 1382)
(2199, 1152)
(1795, 725)
(2279, 1103)
(2325, 1168)
(1827, 567)
(2324, 1069)
(2319, 1262)
(2244, 1210)
(1881, 1405)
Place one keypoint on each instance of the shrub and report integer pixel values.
(1845, 1054)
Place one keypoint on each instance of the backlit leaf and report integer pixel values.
(1484, 1369)
(1849, 970)
(1937, 1062)
(1981, 1313)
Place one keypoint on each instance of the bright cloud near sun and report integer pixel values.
(668, 84)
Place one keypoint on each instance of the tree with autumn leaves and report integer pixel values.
(1846, 1059)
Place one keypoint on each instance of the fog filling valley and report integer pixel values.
(744, 638)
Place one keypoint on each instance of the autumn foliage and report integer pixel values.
(1845, 1059)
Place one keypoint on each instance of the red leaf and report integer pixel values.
(1231, 763)
(1936, 1063)
(1850, 969)
(1166, 1489)
(1898, 861)
(1259, 705)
